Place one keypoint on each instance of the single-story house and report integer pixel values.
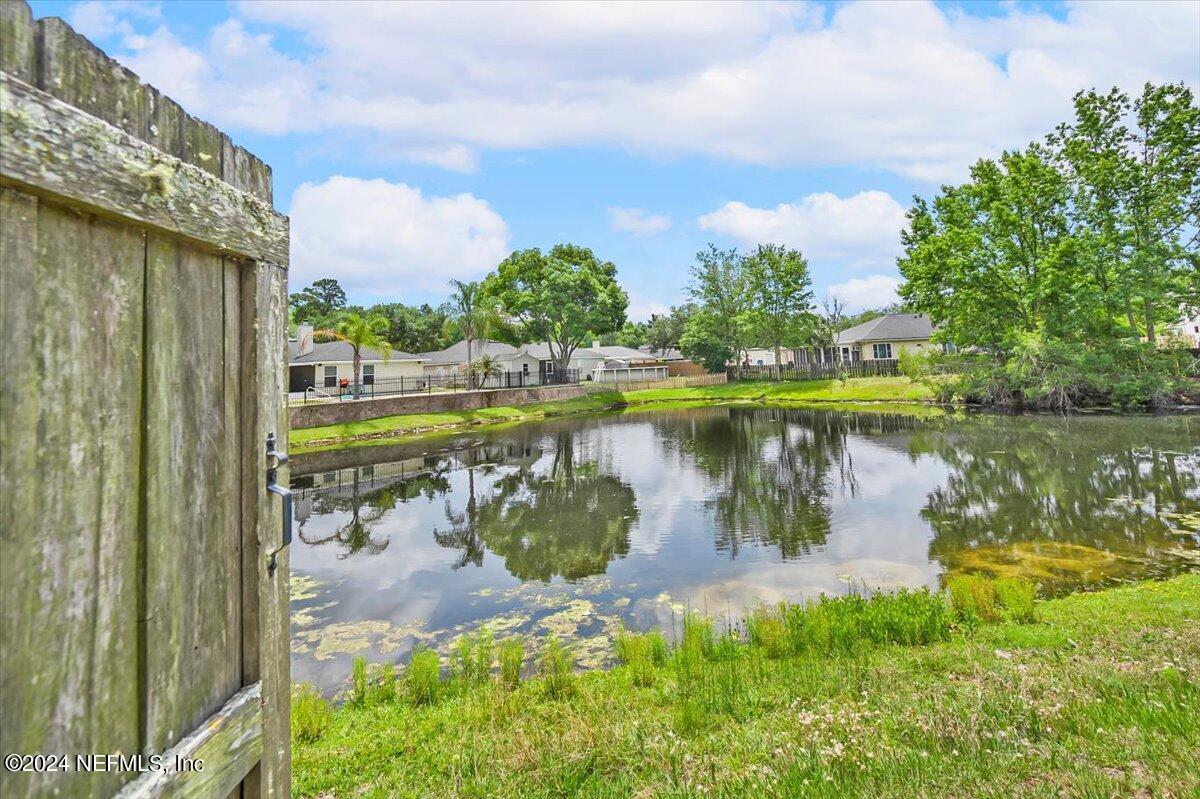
(452, 361)
(604, 363)
(324, 364)
(881, 338)
(1187, 329)
(765, 356)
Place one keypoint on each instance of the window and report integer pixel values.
(845, 353)
(525, 367)
(882, 351)
(368, 374)
(949, 348)
(330, 377)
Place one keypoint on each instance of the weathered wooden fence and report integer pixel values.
(142, 312)
(818, 371)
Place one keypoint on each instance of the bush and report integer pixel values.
(311, 714)
(978, 600)
(423, 677)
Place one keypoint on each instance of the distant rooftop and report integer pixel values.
(334, 351)
(457, 352)
(889, 327)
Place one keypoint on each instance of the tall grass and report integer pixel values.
(707, 673)
(977, 600)
(512, 658)
(311, 714)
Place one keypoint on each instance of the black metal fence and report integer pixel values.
(818, 371)
(429, 384)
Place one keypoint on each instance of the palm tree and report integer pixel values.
(473, 314)
(485, 365)
(361, 333)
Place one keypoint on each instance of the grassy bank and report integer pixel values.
(1089, 695)
(854, 390)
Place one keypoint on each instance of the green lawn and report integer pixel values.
(864, 389)
(1098, 697)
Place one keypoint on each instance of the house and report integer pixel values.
(604, 363)
(881, 338)
(1187, 329)
(678, 364)
(325, 364)
(452, 361)
(765, 356)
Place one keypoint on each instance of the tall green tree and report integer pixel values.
(562, 297)
(414, 328)
(988, 259)
(473, 313)
(719, 291)
(361, 332)
(778, 297)
(664, 330)
(317, 304)
(1137, 199)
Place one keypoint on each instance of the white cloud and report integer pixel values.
(388, 239)
(636, 220)
(902, 86)
(642, 308)
(861, 229)
(453, 157)
(875, 291)
(99, 19)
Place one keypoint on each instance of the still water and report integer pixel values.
(576, 527)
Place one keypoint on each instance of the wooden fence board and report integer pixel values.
(49, 147)
(193, 565)
(266, 647)
(71, 432)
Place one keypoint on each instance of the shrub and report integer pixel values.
(382, 686)
(973, 599)
(767, 629)
(555, 667)
(423, 676)
(311, 714)
(1016, 597)
(512, 658)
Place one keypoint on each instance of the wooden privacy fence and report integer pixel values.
(143, 300)
(819, 371)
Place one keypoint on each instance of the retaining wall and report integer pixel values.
(321, 414)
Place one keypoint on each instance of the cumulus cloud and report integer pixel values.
(636, 220)
(861, 229)
(909, 87)
(875, 291)
(388, 239)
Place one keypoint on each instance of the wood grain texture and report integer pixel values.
(18, 40)
(49, 54)
(69, 480)
(49, 147)
(193, 561)
(229, 743)
(266, 629)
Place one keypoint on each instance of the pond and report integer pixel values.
(575, 527)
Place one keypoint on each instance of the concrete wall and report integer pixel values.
(318, 415)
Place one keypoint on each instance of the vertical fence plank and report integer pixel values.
(69, 508)
(18, 41)
(266, 650)
(193, 561)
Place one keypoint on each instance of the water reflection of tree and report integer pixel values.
(367, 508)
(1098, 482)
(570, 520)
(775, 470)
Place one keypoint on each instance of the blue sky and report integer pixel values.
(414, 143)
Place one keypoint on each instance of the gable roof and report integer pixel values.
(457, 352)
(541, 352)
(889, 327)
(337, 351)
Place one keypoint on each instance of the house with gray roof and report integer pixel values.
(328, 366)
(881, 338)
